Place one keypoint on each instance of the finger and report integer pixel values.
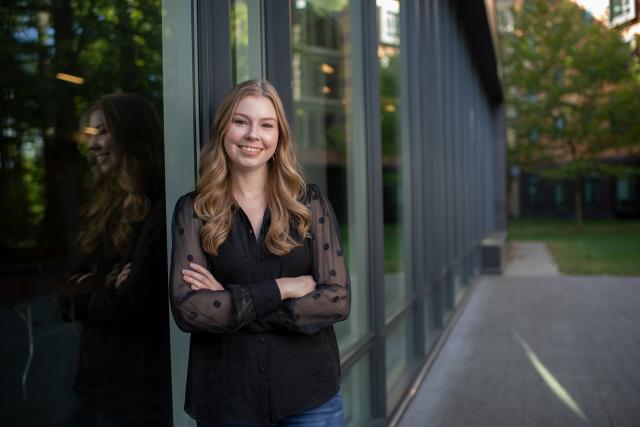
(83, 277)
(199, 277)
(195, 284)
(201, 269)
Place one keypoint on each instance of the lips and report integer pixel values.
(249, 150)
(100, 157)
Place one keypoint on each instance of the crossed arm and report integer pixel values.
(199, 278)
(305, 303)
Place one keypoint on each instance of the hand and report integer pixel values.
(295, 287)
(122, 276)
(199, 278)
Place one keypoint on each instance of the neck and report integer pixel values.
(249, 184)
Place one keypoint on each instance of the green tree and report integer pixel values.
(570, 85)
(114, 45)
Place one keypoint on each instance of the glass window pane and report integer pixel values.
(356, 393)
(430, 313)
(239, 41)
(396, 238)
(400, 350)
(622, 190)
(458, 282)
(247, 29)
(328, 125)
(83, 254)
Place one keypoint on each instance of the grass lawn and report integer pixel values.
(603, 247)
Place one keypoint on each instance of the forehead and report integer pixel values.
(256, 106)
(96, 118)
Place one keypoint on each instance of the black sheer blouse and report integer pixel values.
(255, 358)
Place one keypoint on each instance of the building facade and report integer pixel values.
(398, 116)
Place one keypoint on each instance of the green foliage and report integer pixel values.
(239, 41)
(113, 45)
(570, 85)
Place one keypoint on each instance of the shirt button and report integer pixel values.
(263, 370)
(261, 340)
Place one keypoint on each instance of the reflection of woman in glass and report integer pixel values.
(258, 275)
(123, 367)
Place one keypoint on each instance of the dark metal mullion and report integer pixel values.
(214, 60)
(465, 162)
(476, 169)
(446, 141)
(375, 205)
(455, 148)
(448, 155)
(438, 200)
(425, 116)
(410, 16)
(464, 110)
(277, 34)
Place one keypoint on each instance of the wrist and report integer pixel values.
(283, 288)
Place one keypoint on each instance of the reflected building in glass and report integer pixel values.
(397, 111)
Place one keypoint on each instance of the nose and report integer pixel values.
(252, 133)
(93, 143)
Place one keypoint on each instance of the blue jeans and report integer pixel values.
(329, 414)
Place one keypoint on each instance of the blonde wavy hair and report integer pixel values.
(285, 186)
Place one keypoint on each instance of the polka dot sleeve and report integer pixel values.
(331, 301)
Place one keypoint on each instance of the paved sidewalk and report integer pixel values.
(543, 350)
(529, 259)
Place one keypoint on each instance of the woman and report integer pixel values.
(123, 374)
(258, 276)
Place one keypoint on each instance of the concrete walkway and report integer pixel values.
(530, 259)
(538, 350)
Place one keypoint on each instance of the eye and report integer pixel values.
(268, 125)
(239, 121)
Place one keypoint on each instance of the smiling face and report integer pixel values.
(252, 136)
(103, 147)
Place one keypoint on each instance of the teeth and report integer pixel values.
(249, 149)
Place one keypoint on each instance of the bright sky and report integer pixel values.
(596, 7)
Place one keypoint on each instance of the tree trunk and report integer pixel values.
(578, 202)
(62, 161)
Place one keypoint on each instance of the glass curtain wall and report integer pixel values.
(459, 140)
(83, 301)
(397, 288)
(329, 127)
(400, 343)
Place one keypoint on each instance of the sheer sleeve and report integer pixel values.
(331, 301)
(213, 311)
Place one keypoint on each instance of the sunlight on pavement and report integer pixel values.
(551, 381)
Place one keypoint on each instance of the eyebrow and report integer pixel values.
(263, 118)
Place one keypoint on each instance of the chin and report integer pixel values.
(251, 166)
